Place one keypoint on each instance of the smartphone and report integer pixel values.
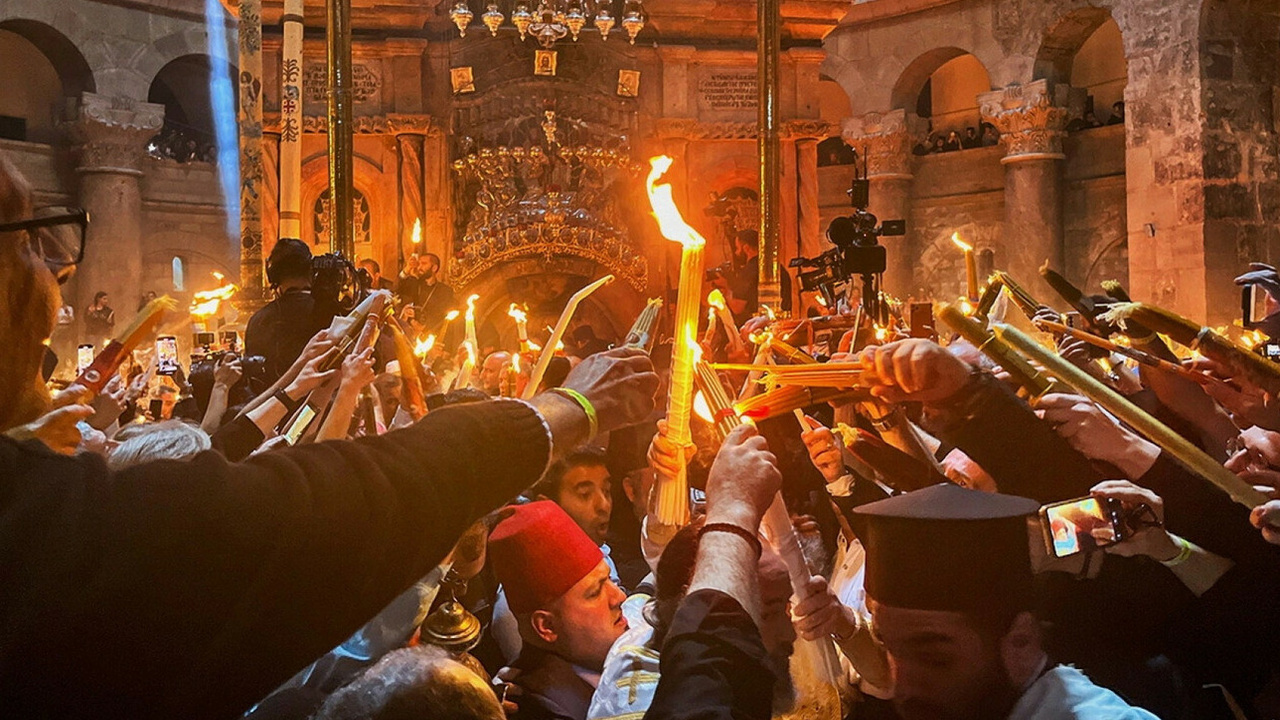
(84, 357)
(299, 425)
(1271, 351)
(166, 355)
(922, 321)
(157, 409)
(1253, 304)
(230, 341)
(1081, 525)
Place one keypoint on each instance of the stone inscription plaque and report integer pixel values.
(365, 83)
(727, 91)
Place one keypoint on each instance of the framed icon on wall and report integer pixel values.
(544, 62)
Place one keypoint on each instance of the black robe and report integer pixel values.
(192, 589)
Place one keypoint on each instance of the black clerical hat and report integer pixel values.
(948, 548)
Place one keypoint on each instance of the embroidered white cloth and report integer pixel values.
(630, 674)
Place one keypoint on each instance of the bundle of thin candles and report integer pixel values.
(829, 375)
(785, 399)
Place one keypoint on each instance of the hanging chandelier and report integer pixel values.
(552, 20)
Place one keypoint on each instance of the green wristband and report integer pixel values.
(1183, 555)
(582, 401)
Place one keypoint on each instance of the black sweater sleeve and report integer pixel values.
(998, 430)
(191, 589)
(237, 439)
(713, 664)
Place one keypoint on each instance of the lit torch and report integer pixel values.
(205, 304)
(673, 496)
(522, 325)
(970, 266)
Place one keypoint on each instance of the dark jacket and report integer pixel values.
(192, 589)
(281, 329)
(550, 689)
(713, 664)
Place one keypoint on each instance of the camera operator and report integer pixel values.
(280, 330)
(741, 284)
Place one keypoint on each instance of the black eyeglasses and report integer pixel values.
(57, 235)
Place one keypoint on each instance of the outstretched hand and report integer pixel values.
(912, 370)
(619, 383)
(744, 479)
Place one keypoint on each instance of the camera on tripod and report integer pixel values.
(857, 253)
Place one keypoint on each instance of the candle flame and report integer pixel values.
(702, 407)
(965, 306)
(416, 237)
(515, 362)
(694, 347)
(881, 333)
(423, 346)
(471, 307)
(955, 238)
(218, 276)
(716, 299)
(768, 312)
(821, 300)
(453, 315)
(670, 222)
(518, 314)
(534, 347)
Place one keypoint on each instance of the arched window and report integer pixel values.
(179, 274)
(183, 87)
(47, 70)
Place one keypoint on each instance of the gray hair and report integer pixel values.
(169, 440)
(411, 684)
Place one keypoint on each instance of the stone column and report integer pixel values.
(437, 202)
(272, 198)
(409, 131)
(1031, 129)
(111, 135)
(809, 221)
(884, 141)
(252, 273)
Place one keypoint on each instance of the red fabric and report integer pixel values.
(539, 553)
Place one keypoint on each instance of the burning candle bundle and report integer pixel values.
(444, 324)
(416, 237)
(786, 399)
(206, 303)
(106, 362)
(673, 497)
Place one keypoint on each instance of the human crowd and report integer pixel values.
(335, 519)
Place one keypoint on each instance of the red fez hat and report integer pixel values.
(538, 553)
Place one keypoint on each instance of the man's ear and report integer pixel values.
(1021, 650)
(545, 625)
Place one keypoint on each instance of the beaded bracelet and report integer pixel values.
(582, 401)
(732, 529)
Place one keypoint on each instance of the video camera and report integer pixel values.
(857, 252)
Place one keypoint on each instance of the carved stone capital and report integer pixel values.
(111, 134)
(807, 130)
(884, 139)
(1031, 125)
(401, 124)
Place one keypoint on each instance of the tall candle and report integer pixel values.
(673, 495)
(970, 267)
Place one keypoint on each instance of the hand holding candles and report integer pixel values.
(970, 267)
(522, 325)
(716, 300)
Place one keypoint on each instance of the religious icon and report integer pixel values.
(463, 81)
(544, 62)
(629, 83)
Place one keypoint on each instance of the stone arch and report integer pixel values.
(952, 75)
(315, 181)
(50, 70)
(182, 87)
(1063, 40)
(72, 68)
